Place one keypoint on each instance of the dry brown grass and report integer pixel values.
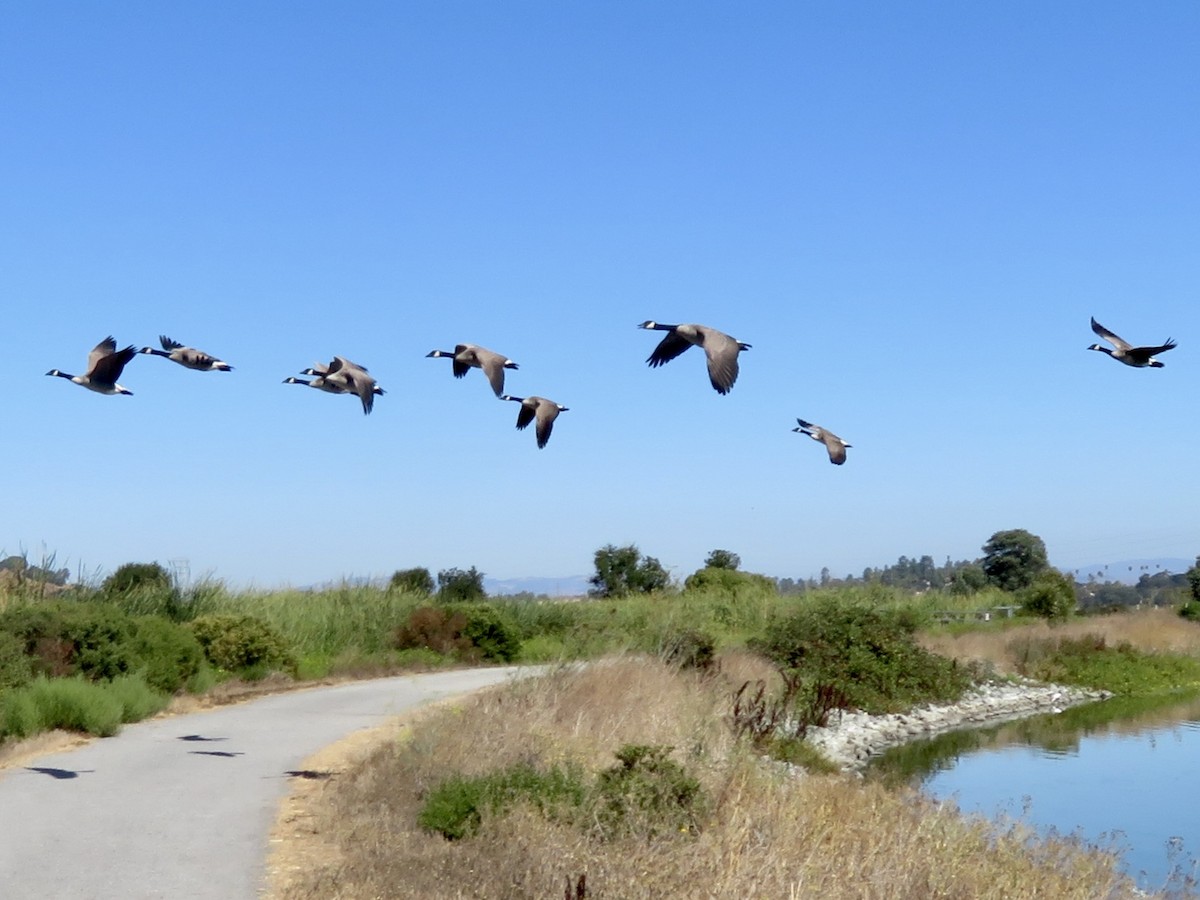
(1152, 630)
(770, 833)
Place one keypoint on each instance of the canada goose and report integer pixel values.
(341, 376)
(721, 350)
(189, 357)
(1141, 357)
(545, 410)
(322, 385)
(105, 364)
(834, 444)
(467, 355)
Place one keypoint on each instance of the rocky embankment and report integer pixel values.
(852, 738)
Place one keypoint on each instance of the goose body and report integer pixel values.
(720, 349)
(467, 356)
(105, 364)
(1123, 351)
(188, 357)
(341, 376)
(834, 444)
(545, 411)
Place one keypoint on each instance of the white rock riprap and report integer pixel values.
(851, 738)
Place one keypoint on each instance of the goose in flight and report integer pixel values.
(1141, 357)
(322, 385)
(834, 444)
(722, 350)
(105, 364)
(466, 356)
(189, 357)
(546, 411)
(344, 377)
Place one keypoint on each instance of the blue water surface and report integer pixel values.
(1131, 783)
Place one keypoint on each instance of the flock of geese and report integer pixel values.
(341, 376)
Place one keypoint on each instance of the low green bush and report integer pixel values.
(72, 704)
(15, 668)
(75, 704)
(67, 638)
(690, 648)
(647, 794)
(455, 808)
(243, 644)
(489, 632)
(1190, 611)
(169, 653)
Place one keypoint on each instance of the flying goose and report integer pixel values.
(105, 364)
(344, 377)
(189, 357)
(545, 410)
(1141, 357)
(467, 355)
(834, 444)
(322, 385)
(721, 350)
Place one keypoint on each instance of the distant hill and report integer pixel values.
(566, 586)
(1128, 571)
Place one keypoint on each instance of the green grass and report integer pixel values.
(1090, 661)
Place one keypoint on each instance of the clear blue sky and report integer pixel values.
(910, 210)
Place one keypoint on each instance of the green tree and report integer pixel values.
(1193, 578)
(623, 570)
(133, 576)
(144, 588)
(722, 559)
(414, 581)
(968, 579)
(1013, 559)
(457, 586)
(1051, 596)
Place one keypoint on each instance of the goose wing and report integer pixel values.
(105, 348)
(1118, 342)
(107, 369)
(547, 412)
(493, 367)
(668, 348)
(168, 344)
(835, 445)
(464, 358)
(1147, 352)
(722, 352)
(528, 409)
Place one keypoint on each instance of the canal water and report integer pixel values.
(1122, 774)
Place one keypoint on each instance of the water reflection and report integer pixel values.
(1125, 766)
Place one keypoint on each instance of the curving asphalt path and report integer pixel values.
(182, 807)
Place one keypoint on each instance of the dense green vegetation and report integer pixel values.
(843, 645)
(645, 795)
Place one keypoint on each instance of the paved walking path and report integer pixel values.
(181, 807)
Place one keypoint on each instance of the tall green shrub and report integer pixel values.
(868, 655)
(169, 653)
(243, 644)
